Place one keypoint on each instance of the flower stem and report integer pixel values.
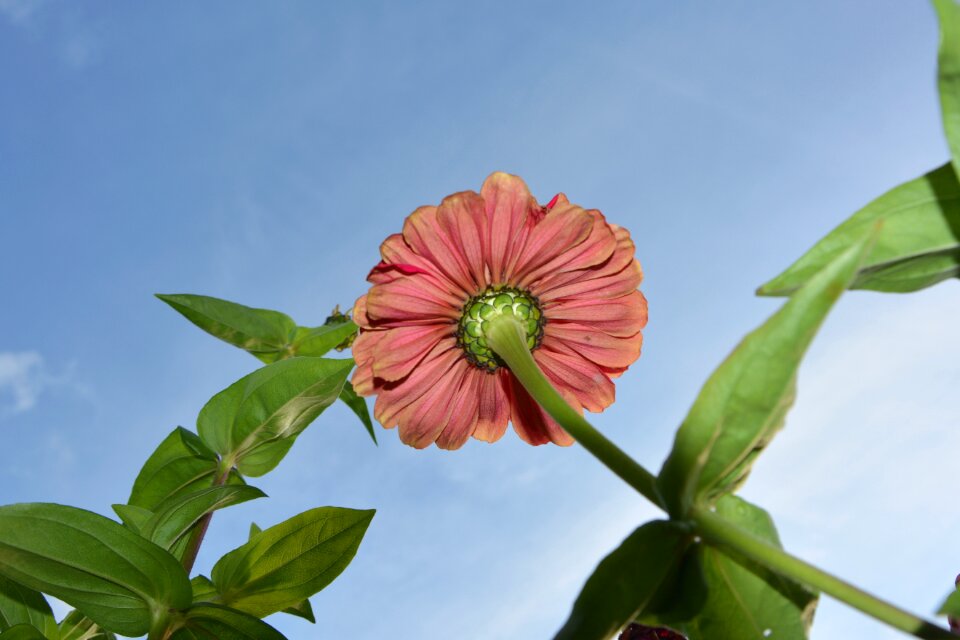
(507, 338)
(721, 533)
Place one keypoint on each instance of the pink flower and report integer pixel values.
(564, 270)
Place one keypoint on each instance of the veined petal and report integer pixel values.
(463, 219)
(532, 423)
(394, 397)
(610, 352)
(410, 299)
(424, 419)
(423, 233)
(623, 316)
(597, 248)
(400, 349)
(601, 285)
(561, 230)
(509, 207)
(581, 378)
(494, 409)
(463, 418)
(622, 256)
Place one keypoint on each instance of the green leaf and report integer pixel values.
(302, 610)
(203, 589)
(317, 341)
(289, 562)
(22, 632)
(133, 517)
(266, 334)
(177, 515)
(744, 402)
(359, 406)
(20, 605)
(918, 244)
(254, 422)
(76, 626)
(744, 601)
(213, 622)
(626, 581)
(950, 606)
(181, 464)
(115, 577)
(948, 74)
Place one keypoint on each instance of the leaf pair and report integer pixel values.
(270, 336)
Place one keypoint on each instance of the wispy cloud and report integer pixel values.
(19, 11)
(22, 379)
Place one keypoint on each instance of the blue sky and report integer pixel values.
(260, 152)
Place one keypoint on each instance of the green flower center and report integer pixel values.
(492, 303)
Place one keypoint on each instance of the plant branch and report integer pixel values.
(196, 538)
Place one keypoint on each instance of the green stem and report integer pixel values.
(196, 538)
(718, 532)
(507, 337)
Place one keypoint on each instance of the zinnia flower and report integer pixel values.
(567, 273)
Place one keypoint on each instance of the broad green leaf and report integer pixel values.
(22, 632)
(918, 244)
(76, 626)
(213, 622)
(289, 562)
(744, 601)
(317, 341)
(948, 75)
(302, 610)
(133, 517)
(744, 402)
(203, 589)
(181, 464)
(20, 605)
(177, 515)
(359, 406)
(266, 334)
(254, 421)
(950, 606)
(626, 581)
(111, 574)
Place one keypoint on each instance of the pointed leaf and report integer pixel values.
(744, 401)
(917, 246)
(133, 517)
(626, 581)
(948, 74)
(76, 626)
(359, 406)
(254, 422)
(203, 589)
(181, 464)
(317, 341)
(115, 577)
(743, 600)
(22, 632)
(266, 334)
(20, 605)
(209, 621)
(291, 561)
(302, 610)
(176, 516)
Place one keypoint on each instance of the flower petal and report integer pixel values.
(494, 409)
(424, 419)
(560, 230)
(410, 300)
(463, 218)
(509, 208)
(394, 397)
(623, 316)
(532, 423)
(554, 286)
(580, 377)
(422, 232)
(610, 352)
(463, 418)
(400, 349)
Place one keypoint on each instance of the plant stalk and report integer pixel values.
(196, 538)
(507, 337)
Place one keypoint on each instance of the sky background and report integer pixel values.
(260, 152)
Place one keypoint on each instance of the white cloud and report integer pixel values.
(22, 379)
